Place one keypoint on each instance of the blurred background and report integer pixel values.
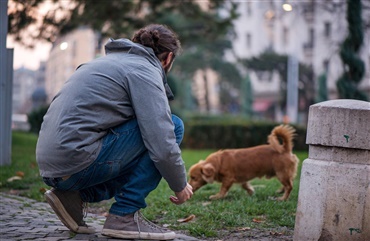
(256, 61)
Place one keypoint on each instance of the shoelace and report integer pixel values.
(145, 221)
(84, 210)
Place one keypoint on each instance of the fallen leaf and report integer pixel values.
(19, 174)
(276, 233)
(184, 220)
(206, 203)
(258, 220)
(42, 190)
(14, 192)
(10, 179)
(243, 228)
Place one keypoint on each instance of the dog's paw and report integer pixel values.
(250, 191)
(281, 198)
(215, 197)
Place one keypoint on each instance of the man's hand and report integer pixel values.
(182, 196)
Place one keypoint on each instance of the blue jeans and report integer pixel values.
(123, 170)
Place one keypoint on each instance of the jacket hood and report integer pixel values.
(127, 46)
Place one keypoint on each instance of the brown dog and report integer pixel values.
(242, 165)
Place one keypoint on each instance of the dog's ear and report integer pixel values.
(201, 161)
(208, 172)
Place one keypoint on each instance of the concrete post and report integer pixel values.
(334, 194)
(6, 88)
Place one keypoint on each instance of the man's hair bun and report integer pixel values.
(158, 37)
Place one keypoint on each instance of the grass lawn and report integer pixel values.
(237, 211)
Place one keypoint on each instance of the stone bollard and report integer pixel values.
(334, 193)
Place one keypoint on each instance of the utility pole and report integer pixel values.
(292, 90)
(6, 88)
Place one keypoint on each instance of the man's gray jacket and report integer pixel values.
(129, 82)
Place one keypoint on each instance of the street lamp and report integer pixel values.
(63, 46)
(287, 7)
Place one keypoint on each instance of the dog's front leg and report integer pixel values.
(248, 187)
(226, 184)
(280, 190)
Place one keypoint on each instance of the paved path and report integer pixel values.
(25, 219)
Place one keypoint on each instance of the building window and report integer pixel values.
(249, 9)
(326, 65)
(285, 36)
(311, 38)
(327, 29)
(249, 40)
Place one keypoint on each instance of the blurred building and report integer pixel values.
(310, 31)
(67, 53)
(24, 83)
(28, 94)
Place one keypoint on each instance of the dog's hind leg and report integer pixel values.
(288, 187)
(247, 186)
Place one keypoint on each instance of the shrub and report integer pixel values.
(35, 118)
(221, 133)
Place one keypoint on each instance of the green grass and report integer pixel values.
(237, 210)
(24, 161)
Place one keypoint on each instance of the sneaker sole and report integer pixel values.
(138, 235)
(63, 215)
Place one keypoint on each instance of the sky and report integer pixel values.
(28, 58)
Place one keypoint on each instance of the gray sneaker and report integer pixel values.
(69, 207)
(134, 226)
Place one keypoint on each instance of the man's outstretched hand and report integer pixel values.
(182, 196)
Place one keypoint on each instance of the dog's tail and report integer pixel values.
(284, 134)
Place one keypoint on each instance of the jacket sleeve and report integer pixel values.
(150, 103)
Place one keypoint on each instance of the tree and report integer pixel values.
(322, 93)
(270, 61)
(354, 67)
(247, 97)
(35, 118)
(202, 29)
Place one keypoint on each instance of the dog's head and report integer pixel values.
(201, 174)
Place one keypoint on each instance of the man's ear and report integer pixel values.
(168, 60)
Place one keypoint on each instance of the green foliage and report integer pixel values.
(232, 132)
(322, 93)
(354, 70)
(35, 118)
(246, 94)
